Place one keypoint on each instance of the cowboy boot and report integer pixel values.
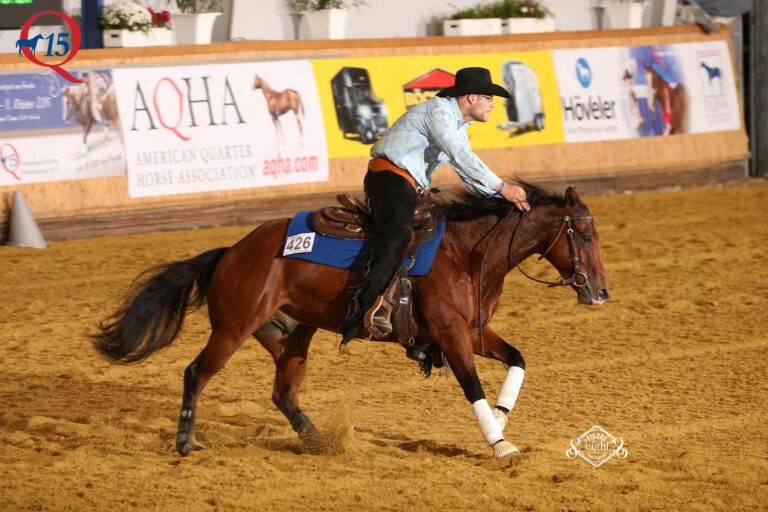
(377, 318)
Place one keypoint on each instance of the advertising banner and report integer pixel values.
(54, 130)
(221, 127)
(646, 91)
(361, 98)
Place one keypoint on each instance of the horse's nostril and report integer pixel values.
(603, 294)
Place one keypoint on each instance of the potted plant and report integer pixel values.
(194, 22)
(482, 19)
(624, 13)
(524, 16)
(126, 24)
(326, 19)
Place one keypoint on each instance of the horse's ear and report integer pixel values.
(571, 197)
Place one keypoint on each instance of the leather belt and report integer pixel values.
(382, 164)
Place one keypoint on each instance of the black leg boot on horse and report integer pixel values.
(391, 199)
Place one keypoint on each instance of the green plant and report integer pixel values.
(504, 9)
(198, 6)
(321, 5)
(478, 11)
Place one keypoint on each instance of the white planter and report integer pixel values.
(472, 27)
(327, 24)
(135, 39)
(194, 28)
(527, 25)
(624, 15)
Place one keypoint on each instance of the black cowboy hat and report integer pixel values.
(473, 81)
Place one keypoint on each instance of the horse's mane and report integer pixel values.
(463, 204)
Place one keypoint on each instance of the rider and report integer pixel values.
(427, 136)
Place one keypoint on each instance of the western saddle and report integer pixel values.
(352, 220)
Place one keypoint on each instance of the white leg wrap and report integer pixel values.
(511, 387)
(488, 424)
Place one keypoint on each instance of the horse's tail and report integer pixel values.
(301, 105)
(153, 311)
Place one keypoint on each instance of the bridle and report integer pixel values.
(565, 226)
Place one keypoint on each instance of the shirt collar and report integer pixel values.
(457, 113)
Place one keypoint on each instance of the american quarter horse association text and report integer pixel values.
(251, 290)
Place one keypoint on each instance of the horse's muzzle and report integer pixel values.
(586, 296)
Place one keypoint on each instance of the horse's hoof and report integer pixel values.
(504, 449)
(185, 449)
(501, 418)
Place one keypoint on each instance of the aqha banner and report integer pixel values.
(221, 127)
(646, 91)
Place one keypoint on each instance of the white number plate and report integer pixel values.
(296, 244)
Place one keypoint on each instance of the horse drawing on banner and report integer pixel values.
(29, 43)
(90, 102)
(672, 101)
(252, 291)
(713, 72)
(279, 103)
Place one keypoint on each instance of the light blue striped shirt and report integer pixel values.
(429, 135)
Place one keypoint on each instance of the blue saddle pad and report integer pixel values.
(350, 254)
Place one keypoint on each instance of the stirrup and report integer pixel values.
(377, 318)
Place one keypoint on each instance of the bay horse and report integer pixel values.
(251, 290)
(278, 103)
(673, 101)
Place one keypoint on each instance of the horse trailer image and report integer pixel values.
(524, 109)
(359, 112)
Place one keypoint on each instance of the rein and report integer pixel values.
(565, 226)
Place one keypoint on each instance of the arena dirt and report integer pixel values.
(674, 363)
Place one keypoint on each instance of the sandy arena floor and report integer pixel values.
(675, 364)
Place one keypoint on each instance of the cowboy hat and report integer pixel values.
(473, 81)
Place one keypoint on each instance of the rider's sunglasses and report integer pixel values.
(489, 98)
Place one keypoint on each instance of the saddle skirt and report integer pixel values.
(304, 241)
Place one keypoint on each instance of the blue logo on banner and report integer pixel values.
(583, 72)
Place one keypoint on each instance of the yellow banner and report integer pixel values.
(360, 98)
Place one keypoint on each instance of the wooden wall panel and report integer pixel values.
(109, 195)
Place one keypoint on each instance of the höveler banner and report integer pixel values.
(221, 127)
(646, 91)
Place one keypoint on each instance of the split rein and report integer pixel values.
(565, 226)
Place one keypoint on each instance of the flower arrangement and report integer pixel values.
(524, 9)
(161, 19)
(125, 16)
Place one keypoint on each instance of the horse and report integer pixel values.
(94, 100)
(29, 43)
(712, 71)
(278, 103)
(251, 290)
(673, 101)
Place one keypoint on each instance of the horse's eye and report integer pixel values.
(586, 237)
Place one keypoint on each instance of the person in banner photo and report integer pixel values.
(665, 107)
(403, 160)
